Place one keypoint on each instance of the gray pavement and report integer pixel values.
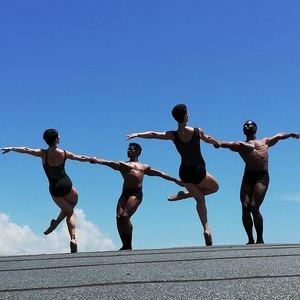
(220, 272)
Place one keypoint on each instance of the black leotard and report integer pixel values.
(59, 182)
(192, 168)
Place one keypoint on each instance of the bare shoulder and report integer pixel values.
(201, 131)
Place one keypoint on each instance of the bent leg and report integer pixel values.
(125, 209)
(210, 186)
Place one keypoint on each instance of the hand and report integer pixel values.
(180, 183)
(93, 160)
(217, 146)
(6, 150)
(295, 135)
(131, 136)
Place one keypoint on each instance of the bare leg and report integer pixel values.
(125, 209)
(66, 204)
(211, 188)
(208, 184)
(245, 195)
(258, 196)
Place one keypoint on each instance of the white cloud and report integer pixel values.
(293, 197)
(19, 240)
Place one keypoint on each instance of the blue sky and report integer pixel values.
(98, 70)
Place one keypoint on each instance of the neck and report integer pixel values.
(133, 159)
(250, 137)
(52, 147)
(181, 125)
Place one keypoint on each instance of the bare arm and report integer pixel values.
(207, 138)
(167, 135)
(281, 136)
(153, 172)
(116, 165)
(236, 146)
(23, 150)
(82, 158)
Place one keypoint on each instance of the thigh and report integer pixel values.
(258, 194)
(63, 204)
(72, 197)
(246, 194)
(208, 184)
(131, 205)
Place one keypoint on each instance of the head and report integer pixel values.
(249, 128)
(179, 112)
(51, 136)
(134, 150)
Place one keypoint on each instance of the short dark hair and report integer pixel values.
(137, 147)
(250, 122)
(50, 136)
(178, 112)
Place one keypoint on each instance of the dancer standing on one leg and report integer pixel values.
(133, 173)
(61, 188)
(192, 170)
(255, 181)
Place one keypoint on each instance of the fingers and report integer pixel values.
(131, 136)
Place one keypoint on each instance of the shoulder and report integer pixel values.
(170, 134)
(199, 131)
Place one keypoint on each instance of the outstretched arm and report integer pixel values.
(82, 158)
(116, 165)
(281, 136)
(153, 172)
(167, 135)
(236, 146)
(23, 150)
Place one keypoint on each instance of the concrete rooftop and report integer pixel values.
(267, 271)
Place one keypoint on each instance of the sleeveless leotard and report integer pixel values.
(192, 168)
(59, 182)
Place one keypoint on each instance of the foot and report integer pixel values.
(73, 247)
(179, 196)
(250, 242)
(208, 239)
(125, 248)
(52, 226)
(260, 241)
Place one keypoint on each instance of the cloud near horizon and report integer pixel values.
(292, 197)
(20, 239)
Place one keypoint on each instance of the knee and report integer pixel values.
(246, 207)
(216, 188)
(254, 209)
(69, 213)
(123, 217)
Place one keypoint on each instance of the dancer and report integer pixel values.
(254, 153)
(61, 188)
(133, 173)
(192, 171)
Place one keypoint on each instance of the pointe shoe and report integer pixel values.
(179, 196)
(208, 239)
(52, 226)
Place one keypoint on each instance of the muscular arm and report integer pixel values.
(116, 165)
(153, 172)
(207, 138)
(23, 150)
(167, 135)
(281, 136)
(237, 146)
(82, 158)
